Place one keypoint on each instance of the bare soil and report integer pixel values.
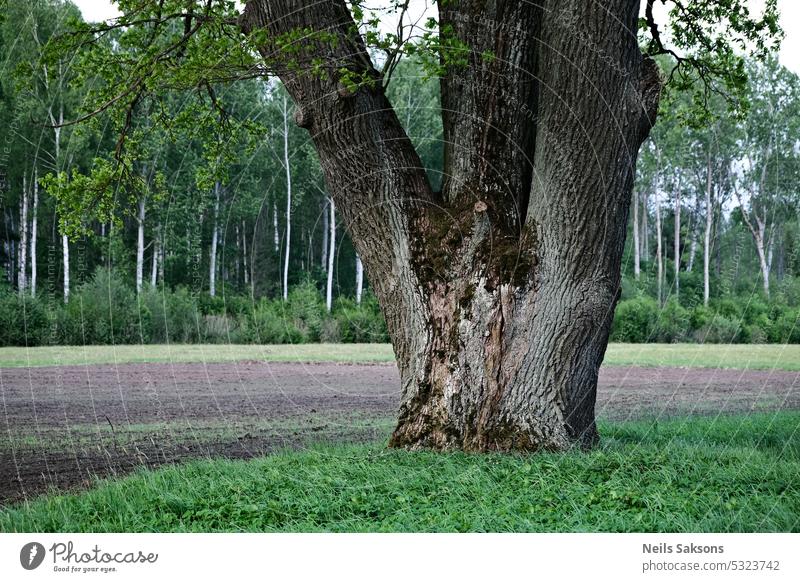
(60, 427)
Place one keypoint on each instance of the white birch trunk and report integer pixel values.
(238, 271)
(645, 229)
(212, 259)
(23, 238)
(331, 256)
(677, 250)
(276, 239)
(659, 254)
(154, 264)
(65, 253)
(34, 227)
(140, 246)
(707, 235)
(288, 198)
(244, 253)
(762, 254)
(359, 279)
(325, 227)
(636, 247)
(162, 254)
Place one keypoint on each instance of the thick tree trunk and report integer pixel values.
(331, 257)
(499, 291)
(34, 230)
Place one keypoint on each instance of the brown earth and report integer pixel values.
(62, 426)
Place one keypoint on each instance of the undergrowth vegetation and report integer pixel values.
(717, 474)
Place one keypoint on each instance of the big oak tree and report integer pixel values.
(499, 288)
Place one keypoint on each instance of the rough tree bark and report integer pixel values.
(499, 291)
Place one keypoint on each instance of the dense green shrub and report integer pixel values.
(267, 324)
(305, 311)
(24, 320)
(106, 310)
(673, 323)
(635, 320)
(719, 330)
(360, 323)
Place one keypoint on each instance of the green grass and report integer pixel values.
(736, 356)
(754, 357)
(189, 353)
(704, 474)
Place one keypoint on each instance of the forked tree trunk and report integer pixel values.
(499, 291)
